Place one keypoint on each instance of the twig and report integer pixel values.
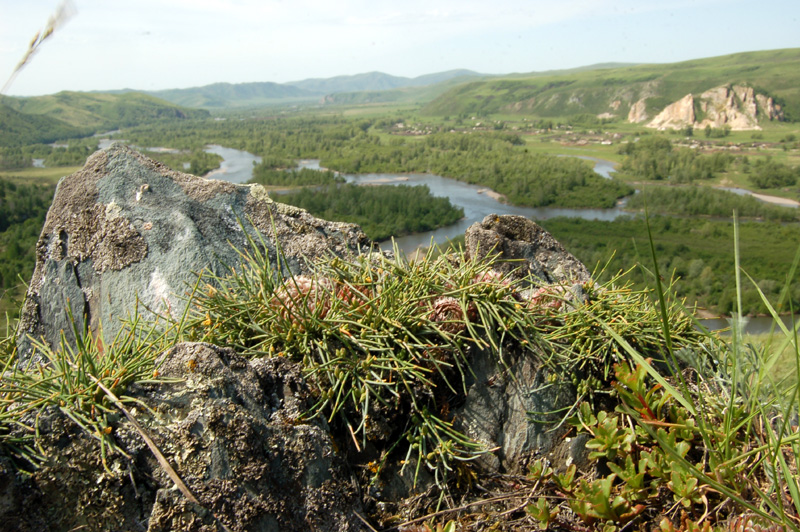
(524, 504)
(498, 498)
(156, 451)
(363, 520)
(150, 443)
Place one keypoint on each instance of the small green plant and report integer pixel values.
(70, 377)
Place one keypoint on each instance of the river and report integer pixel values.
(236, 166)
(753, 325)
(477, 202)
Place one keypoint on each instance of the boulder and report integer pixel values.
(232, 430)
(525, 249)
(126, 231)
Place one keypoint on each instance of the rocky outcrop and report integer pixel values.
(232, 429)
(736, 107)
(126, 231)
(638, 112)
(500, 399)
(675, 115)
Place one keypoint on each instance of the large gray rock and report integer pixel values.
(127, 231)
(231, 429)
(526, 249)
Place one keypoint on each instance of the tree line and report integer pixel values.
(698, 253)
(382, 211)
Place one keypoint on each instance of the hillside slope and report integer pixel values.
(99, 111)
(19, 129)
(615, 91)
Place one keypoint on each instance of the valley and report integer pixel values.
(712, 124)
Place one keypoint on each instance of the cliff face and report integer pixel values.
(737, 107)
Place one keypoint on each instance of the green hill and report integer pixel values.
(19, 129)
(616, 89)
(96, 111)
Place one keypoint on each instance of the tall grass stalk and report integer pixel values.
(758, 449)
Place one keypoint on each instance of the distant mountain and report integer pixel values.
(220, 95)
(228, 95)
(419, 94)
(640, 91)
(375, 81)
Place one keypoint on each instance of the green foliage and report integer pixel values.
(717, 434)
(22, 212)
(591, 90)
(653, 445)
(196, 161)
(768, 173)
(386, 342)
(52, 156)
(705, 201)
(303, 177)
(68, 378)
(20, 129)
(91, 112)
(698, 253)
(653, 158)
(496, 160)
(382, 211)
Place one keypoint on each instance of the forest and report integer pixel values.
(691, 201)
(22, 212)
(382, 211)
(699, 254)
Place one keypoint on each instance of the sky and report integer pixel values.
(163, 44)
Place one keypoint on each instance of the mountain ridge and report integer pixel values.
(613, 92)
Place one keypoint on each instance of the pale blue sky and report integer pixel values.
(160, 44)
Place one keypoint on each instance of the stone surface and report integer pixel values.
(638, 112)
(525, 249)
(231, 429)
(737, 107)
(498, 411)
(125, 230)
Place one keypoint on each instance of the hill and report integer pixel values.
(19, 129)
(420, 94)
(218, 95)
(375, 81)
(376, 84)
(90, 112)
(614, 91)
